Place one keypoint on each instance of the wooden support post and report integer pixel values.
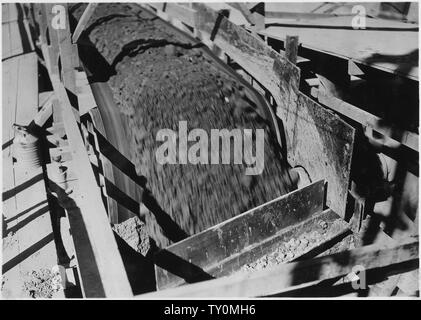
(83, 21)
(101, 266)
(291, 48)
(26, 18)
(51, 53)
(67, 57)
(302, 274)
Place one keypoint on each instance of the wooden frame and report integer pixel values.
(212, 249)
(100, 265)
(83, 21)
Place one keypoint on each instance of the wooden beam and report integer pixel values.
(53, 46)
(291, 49)
(365, 118)
(68, 52)
(290, 276)
(83, 21)
(244, 10)
(268, 67)
(45, 113)
(299, 15)
(98, 255)
(182, 13)
(106, 165)
(27, 96)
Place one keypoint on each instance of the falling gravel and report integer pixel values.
(158, 77)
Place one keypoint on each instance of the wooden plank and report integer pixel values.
(86, 100)
(334, 22)
(28, 33)
(102, 269)
(268, 248)
(45, 112)
(244, 10)
(291, 48)
(115, 146)
(9, 98)
(104, 151)
(35, 224)
(27, 100)
(379, 49)
(29, 222)
(124, 194)
(83, 21)
(296, 275)
(322, 143)
(10, 245)
(5, 12)
(365, 118)
(43, 24)
(53, 47)
(106, 166)
(232, 236)
(44, 96)
(6, 43)
(296, 15)
(13, 12)
(268, 67)
(15, 39)
(9, 205)
(235, 15)
(182, 13)
(67, 51)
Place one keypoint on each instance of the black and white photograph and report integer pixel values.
(210, 150)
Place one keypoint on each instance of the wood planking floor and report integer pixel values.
(28, 241)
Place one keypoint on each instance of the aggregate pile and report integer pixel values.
(299, 245)
(159, 77)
